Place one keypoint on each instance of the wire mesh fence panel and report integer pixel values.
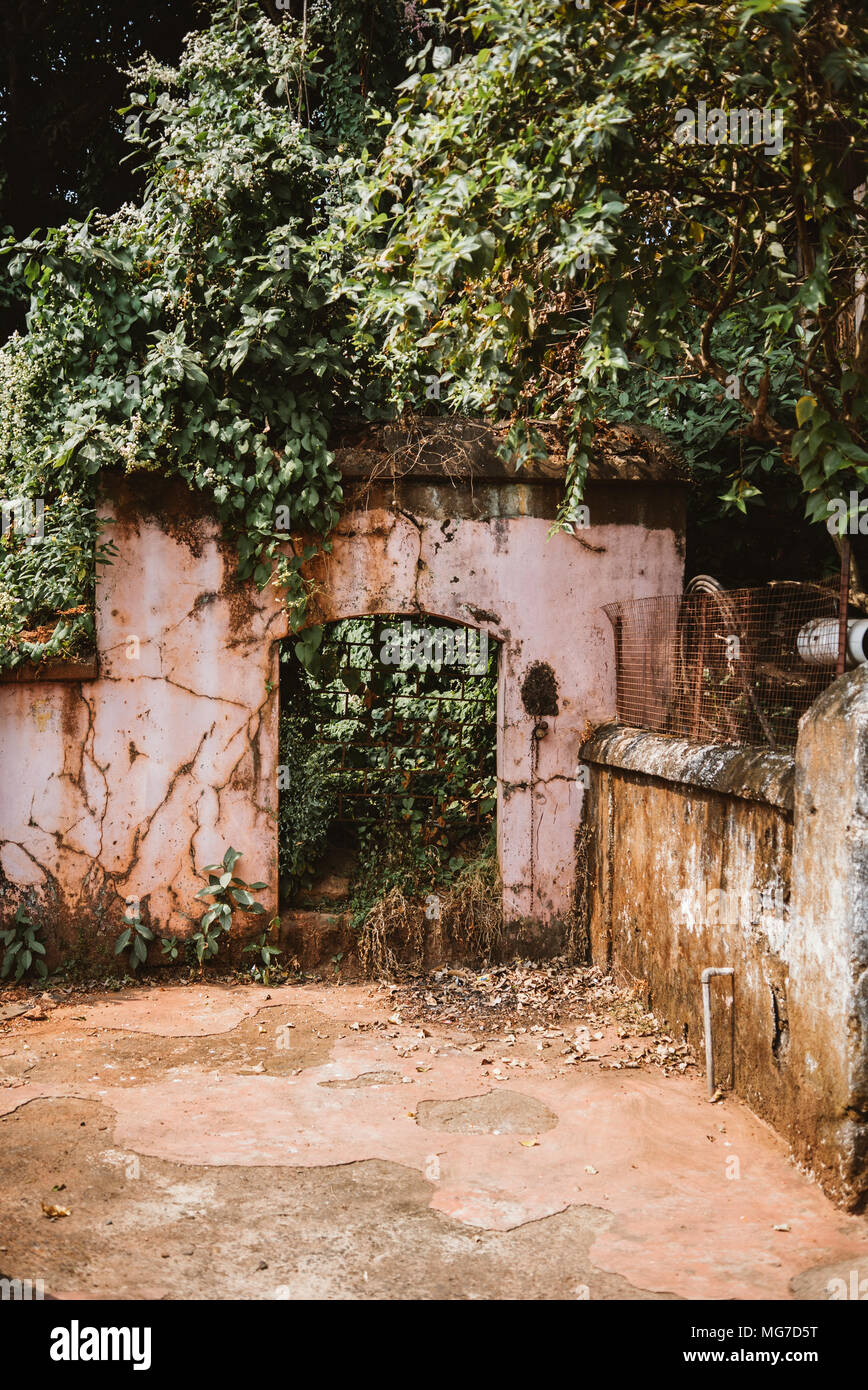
(730, 666)
(405, 715)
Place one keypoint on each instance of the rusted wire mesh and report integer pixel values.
(729, 666)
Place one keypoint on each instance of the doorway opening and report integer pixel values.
(387, 775)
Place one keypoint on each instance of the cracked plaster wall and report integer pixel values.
(121, 787)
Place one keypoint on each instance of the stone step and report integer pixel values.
(329, 888)
(314, 938)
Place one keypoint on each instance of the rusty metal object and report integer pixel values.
(387, 746)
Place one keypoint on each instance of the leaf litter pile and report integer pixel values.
(579, 1012)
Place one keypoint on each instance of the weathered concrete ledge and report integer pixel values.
(454, 446)
(57, 670)
(753, 774)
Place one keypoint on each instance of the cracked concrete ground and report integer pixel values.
(227, 1141)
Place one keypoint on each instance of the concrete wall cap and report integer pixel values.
(455, 447)
(752, 774)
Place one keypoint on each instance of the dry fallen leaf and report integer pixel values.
(529, 1143)
(589, 1168)
(53, 1212)
(783, 1227)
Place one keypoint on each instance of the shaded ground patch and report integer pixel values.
(313, 1142)
(496, 1112)
(355, 1231)
(279, 1040)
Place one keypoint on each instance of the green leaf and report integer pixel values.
(805, 407)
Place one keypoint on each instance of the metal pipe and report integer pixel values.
(706, 1010)
(817, 641)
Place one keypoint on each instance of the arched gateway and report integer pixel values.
(123, 784)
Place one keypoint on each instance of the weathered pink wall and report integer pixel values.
(122, 787)
(541, 598)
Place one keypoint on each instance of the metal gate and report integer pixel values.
(404, 712)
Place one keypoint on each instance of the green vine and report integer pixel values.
(196, 335)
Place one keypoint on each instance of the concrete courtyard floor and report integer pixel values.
(309, 1141)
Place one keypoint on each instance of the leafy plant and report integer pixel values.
(265, 950)
(377, 730)
(136, 936)
(228, 893)
(23, 951)
(538, 234)
(205, 943)
(198, 333)
(170, 948)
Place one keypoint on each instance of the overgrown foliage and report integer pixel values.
(196, 334)
(306, 805)
(541, 240)
(409, 749)
(62, 79)
(528, 229)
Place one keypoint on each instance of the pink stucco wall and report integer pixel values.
(541, 598)
(122, 787)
